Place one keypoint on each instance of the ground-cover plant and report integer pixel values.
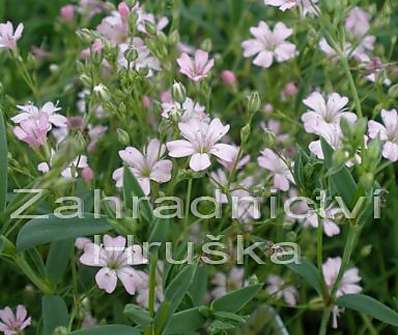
(198, 167)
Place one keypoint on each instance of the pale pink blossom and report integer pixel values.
(229, 78)
(195, 68)
(33, 131)
(114, 28)
(278, 168)
(387, 132)
(116, 262)
(305, 6)
(67, 13)
(290, 90)
(328, 111)
(87, 174)
(278, 288)
(147, 102)
(357, 22)
(31, 112)
(9, 38)
(166, 97)
(230, 165)
(14, 324)
(361, 53)
(269, 45)
(90, 8)
(145, 166)
(224, 284)
(184, 112)
(200, 142)
(328, 221)
(349, 283)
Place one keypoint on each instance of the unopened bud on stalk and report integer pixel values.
(339, 157)
(131, 3)
(123, 136)
(206, 45)
(85, 79)
(373, 152)
(245, 133)
(102, 92)
(178, 92)
(174, 37)
(150, 28)
(87, 35)
(253, 102)
(366, 250)
(393, 91)
(131, 54)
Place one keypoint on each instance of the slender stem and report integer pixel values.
(354, 90)
(152, 283)
(188, 201)
(325, 320)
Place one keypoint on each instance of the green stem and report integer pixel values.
(354, 90)
(152, 283)
(325, 320)
(188, 201)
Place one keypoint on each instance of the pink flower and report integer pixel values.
(13, 324)
(330, 228)
(33, 131)
(361, 52)
(115, 260)
(224, 284)
(95, 133)
(238, 165)
(229, 78)
(67, 13)
(32, 112)
(79, 163)
(114, 28)
(290, 90)
(273, 128)
(9, 38)
(306, 6)
(87, 174)
(387, 133)
(197, 68)
(357, 22)
(328, 111)
(268, 44)
(201, 142)
(277, 287)
(185, 112)
(282, 176)
(145, 166)
(348, 284)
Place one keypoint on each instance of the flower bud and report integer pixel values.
(150, 28)
(366, 250)
(253, 102)
(393, 91)
(147, 102)
(123, 10)
(67, 13)
(131, 54)
(366, 180)
(290, 89)
(85, 79)
(373, 152)
(178, 92)
(206, 45)
(245, 133)
(123, 136)
(102, 92)
(174, 37)
(228, 77)
(131, 3)
(87, 174)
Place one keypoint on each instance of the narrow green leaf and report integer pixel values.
(341, 180)
(131, 188)
(198, 288)
(42, 231)
(160, 230)
(137, 314)
(186, 321)
(174, 294)
(3, 164)
(108, 330)
(55, 313)
(368, 305)
(58, 259)
(236, 300)
(309, 273)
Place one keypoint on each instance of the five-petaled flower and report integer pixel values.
(387, 133)
(13, 324)
(9, 38)
(269, 45)
(200, 142)
(116, 262)
(197, 68)
(145, 166)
